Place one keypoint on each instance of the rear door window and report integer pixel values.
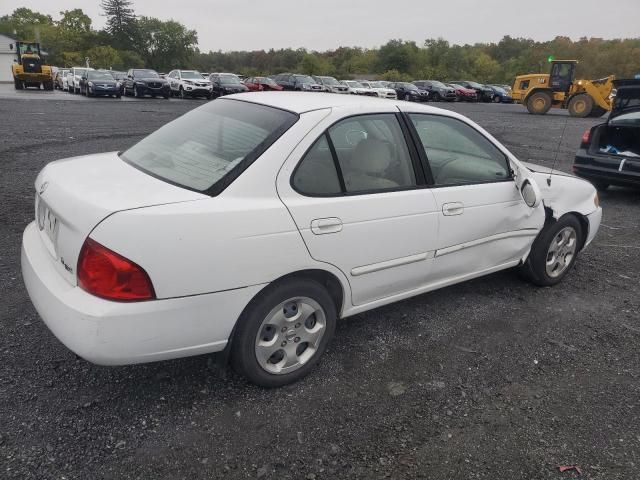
(208, 147)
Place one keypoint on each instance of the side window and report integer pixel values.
(457, 153)
(372, 153)
(316, 174)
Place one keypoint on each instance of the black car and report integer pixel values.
(408, 91)
(119, 77)
(485, 94)
(610, 152)
(295, 81)
(97, 83)
(141, 82)
(438, 91)
(226, 84)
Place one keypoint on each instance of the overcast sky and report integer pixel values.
(327, 24)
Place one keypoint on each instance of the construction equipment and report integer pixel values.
(583, 98)
(30, 69)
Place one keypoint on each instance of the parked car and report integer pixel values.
(258, 208)
(141, 82)
(292, 81)
(409, 92)
(189, 83)
(506, 88)
(380, 89)
(500, 95)
(260, 84)
(356, 88)
(609, 153)
(73, 78)
(119, 77)
(226, 84)
(438, 91)
(464, 94)
(60, 80)
(331, 85)
(484, 93)
(96, 83)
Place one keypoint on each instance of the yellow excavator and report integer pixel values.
(30, 70)
(583, 98)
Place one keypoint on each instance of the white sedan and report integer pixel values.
(298, 210)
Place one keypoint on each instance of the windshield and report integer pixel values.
(329, 81)
(146, 73)
(437, 84)
(229, 79)
(192, 75)
(354, 84)
(303, 79)
(200, 148)
(409, 86)
(266, 81)
(99, 76)
(376, 85)
(79, 72)
(475, 85)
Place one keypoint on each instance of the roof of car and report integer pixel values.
(301, 102)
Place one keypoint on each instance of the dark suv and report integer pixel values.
(142, 81)
(226, 84)
(438, 91)
(408, 91)
(294, 81)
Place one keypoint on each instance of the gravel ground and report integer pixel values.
(491, 379)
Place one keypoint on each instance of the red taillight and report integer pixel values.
(586, 136)
(106, 274)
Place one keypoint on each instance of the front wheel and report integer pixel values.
(283, 333)
(581, 105)
(539, 103)
(554, 252)
(497, 99)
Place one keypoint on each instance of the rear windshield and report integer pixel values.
(205, 149)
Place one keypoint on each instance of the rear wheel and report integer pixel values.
(283, 333)
(554, 252)
(581, 106)
(539, 103)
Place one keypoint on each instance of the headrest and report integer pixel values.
(371, 156)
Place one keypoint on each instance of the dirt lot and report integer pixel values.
(492, 379)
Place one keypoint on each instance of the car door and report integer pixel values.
(355, 189)
(484, 223)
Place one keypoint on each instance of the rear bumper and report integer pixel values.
(120, 333)
(607, 169)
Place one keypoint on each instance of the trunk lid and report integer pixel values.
(627, 97)
(74, 195)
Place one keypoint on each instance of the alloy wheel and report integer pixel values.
(561, 252)
(290, 335)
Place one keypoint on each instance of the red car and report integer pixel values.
(259, 84)
(464, 94)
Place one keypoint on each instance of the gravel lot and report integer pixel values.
(492, 379)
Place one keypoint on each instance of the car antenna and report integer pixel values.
(555, 160)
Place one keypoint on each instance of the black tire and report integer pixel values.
(539, 103)
(118, 95)
(581, 106)
(136, 92)
(535, 268)
(243, 354)
(437, 97)
(181, 93)
(166, 96)
(18, 84)
(497, 99)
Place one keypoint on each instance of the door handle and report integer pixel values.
(453, 208)
(322, 226)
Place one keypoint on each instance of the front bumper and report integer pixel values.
(97, 90)
(120, 333)
(147, 89)
(594, 220)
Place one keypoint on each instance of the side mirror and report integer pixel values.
(531, 193)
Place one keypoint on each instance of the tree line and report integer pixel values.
(131, 41)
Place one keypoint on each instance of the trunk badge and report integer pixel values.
(43, 187)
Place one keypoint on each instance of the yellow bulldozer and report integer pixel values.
(30, 69)
(558, 89)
